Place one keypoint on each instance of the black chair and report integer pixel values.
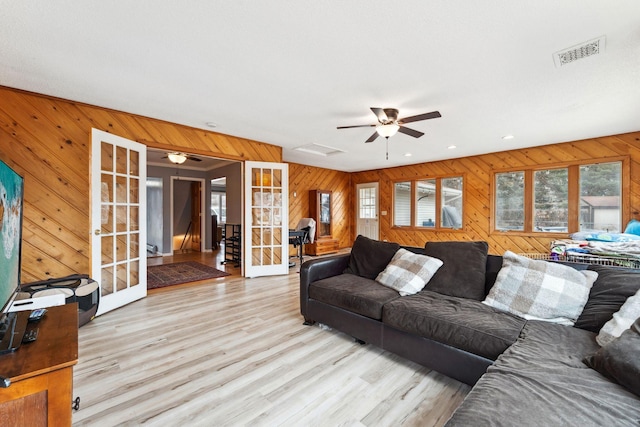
(298, 238)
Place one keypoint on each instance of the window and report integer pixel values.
(219, 206)
(368, 203)
(435, 203)
(551, 200)
(561, 200)
(402, 204)
(510, 201)
(600, 197)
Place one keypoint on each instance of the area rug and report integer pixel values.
(159, 276)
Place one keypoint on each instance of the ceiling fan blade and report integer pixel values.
(380, 114)
(426, 116)
(356, 126)
(195, 159)
(410, 132)
(372, 137)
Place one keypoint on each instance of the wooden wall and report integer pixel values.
(477, 172)
(47, 140)
(304, 178)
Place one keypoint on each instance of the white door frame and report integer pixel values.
(202, 210)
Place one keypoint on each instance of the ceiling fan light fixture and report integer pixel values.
(177, 158)
(387, 130)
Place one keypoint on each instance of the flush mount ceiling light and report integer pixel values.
(177, 158)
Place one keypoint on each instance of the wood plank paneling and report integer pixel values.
(47, 140)
(477, 172)
(304, 178)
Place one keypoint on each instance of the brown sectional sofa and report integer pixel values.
(524, 372)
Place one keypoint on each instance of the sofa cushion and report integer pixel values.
(354, 293)
(463, 270)
(369, 257)
(620, 360)
(541, 381)
(407, 272)
(610, 290)
(459, 322)
(621, 320)
(540, 290)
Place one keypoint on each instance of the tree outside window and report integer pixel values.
(565, 199)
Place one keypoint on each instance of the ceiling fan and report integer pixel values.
(388, 123)
(179, 158)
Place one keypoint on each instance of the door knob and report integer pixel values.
(96, 232)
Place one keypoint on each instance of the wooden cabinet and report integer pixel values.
(41, 373)
(320, 210)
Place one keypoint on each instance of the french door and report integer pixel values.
(266, 225)
(118, 219)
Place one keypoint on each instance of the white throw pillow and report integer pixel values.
(621, 320)
(540, 290)
(408, 273)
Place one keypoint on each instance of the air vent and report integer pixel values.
(319, 149)
(583, 50)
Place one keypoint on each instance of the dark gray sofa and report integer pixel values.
(534, 370)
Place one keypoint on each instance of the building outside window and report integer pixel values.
(437, 204)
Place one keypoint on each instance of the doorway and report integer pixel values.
(187, 213)
(367, 212)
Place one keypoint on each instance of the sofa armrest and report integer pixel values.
(318, 269)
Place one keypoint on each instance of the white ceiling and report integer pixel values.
(287, 72)
(156, 157)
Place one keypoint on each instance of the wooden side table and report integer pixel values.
(41, 373)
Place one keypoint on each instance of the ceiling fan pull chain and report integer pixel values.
(387, 138)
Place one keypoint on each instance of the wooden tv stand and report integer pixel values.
(41, 373)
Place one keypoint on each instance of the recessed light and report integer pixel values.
(211, 124)
(451, 147)
(508, 137)
(408, 154)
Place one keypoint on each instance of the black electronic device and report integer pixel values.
(12, 325)
(30, 335)
(12, 330)
(37, 314)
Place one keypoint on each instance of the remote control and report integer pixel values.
(30, 336)
(37, 314)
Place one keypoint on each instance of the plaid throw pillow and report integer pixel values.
(621, 321)
(408, 273)
(540, 290)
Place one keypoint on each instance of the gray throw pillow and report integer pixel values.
(621, 320)
(408, 273)
(610, 290)
(463, 270)
(619, 359)
(369, 257)
(540, 290)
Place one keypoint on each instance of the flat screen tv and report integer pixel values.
(11, 205)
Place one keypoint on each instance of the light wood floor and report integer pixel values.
(233, 351)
